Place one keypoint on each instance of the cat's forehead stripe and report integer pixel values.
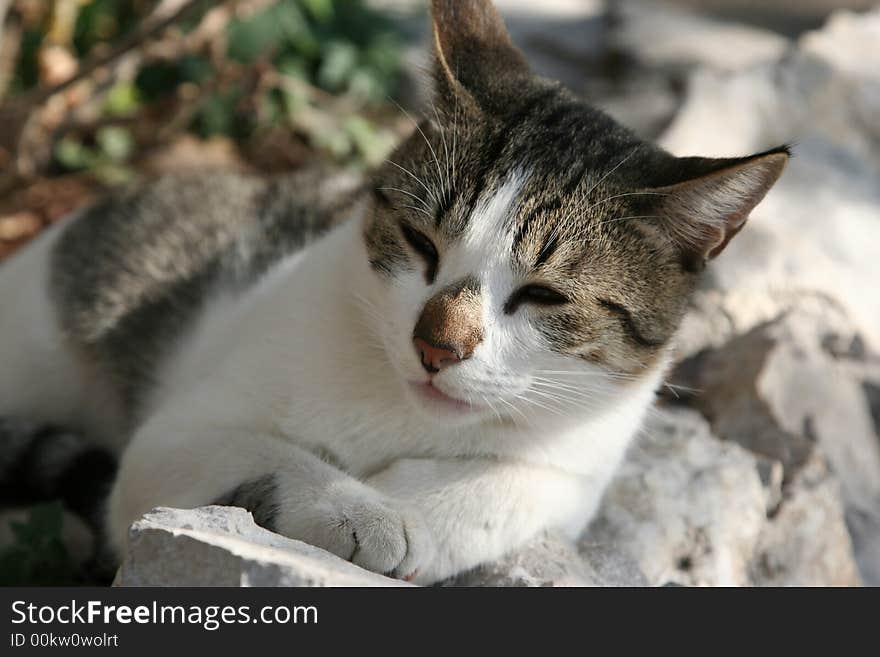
(491, 216)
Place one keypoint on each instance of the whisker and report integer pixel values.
(417, 179)
(558, 398)
(613, 169)
(424, 212)
(410, 194)
(445, 147)
(583, 391)
(596, 375)
(549, 409)
(579, 396)
(514, 408)
(675, 386)
(425, 137)
(632, 216)
(491, 407)
(611, 198)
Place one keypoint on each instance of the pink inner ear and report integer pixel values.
(733, 227)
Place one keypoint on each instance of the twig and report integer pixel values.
(17, 115)
(168, 12)
(210, 28)
(4, 7)
(10, 42)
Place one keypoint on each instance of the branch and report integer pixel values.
(168, 12)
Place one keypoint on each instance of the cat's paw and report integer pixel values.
(368, 529)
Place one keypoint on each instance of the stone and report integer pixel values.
(693, 510)
(662, 36)
(806, 540)
(552, 560)
(686, 506)
(221, 546)
(793, 387)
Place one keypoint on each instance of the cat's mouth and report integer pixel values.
(433, 396)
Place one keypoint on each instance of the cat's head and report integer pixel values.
(532, 257)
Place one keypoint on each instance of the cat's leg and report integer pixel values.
(288, 489)
(478, 510)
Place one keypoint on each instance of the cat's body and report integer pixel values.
(458, 364)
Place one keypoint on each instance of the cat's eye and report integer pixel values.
(539, 295)
(422, 245)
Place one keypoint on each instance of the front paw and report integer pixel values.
(366, 528)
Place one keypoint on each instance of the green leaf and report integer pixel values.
(122, 100)
(195, 69)
(73, 155)
(115, 142)
(340, 60)
(248, 38)
(38, 556)
(373, 144)
(113, 174)
(320, 10)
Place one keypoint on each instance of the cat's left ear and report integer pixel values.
(476, 65)
(712, 202)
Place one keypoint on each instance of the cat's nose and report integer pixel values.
(436, 358)
(450, 326)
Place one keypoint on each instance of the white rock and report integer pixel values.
(551, 560)
(693, 510)
(687, 507)
(663, 36)
(819, 227)
(790, 388)
(221, 546)
(806, 541)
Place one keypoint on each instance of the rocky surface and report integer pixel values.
(552, 560)
(761, 465)
(795, 390)
(221, 546)
(695, 510)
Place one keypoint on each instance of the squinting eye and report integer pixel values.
(422, 245)
(539, 295)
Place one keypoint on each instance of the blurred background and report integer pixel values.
(98, 94)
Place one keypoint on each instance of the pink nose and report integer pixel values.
(434, 358)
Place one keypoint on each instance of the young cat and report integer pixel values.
(456, 362)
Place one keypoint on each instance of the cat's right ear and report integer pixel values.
(706, 209)
(476, 65)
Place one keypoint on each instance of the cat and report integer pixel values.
(418, 373)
